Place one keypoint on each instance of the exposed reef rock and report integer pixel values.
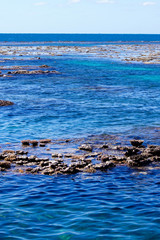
(136, 143)
(5, 165)
(128, 52)
(5, 103)
(44, 66)
(86, 147)
(87, 157)
(27, 72)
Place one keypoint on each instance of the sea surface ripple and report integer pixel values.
(119, 204)
(90, 96)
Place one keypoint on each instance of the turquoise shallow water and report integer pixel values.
(90, 96)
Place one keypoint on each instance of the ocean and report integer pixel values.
(14, 37)
(91, 96)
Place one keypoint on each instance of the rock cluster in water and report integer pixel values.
(128, 52)
(90, 158)
(26, 70)
(31, 72)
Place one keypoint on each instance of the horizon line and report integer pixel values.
(83, 33)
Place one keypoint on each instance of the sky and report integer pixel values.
(80, 16)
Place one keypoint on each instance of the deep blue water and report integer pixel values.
(80, 37)
(90, 96)
(120, 204)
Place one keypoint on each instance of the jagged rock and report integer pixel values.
(36, 170)
(20, 162)
(2, 156)
(5, 103)
(89, 170)
(38, 160)
(21, 152)
(27, 72)
(25, 142)
(95, 154)
(8, 151)
(118, 159)
(31, 158)
(136, 143)
(44, 163)
(88, 160)
(83, 164)
(78, 165)
(44, 66)
(140, 163)
(11, 157)
(156, 158)
(45, 141)
(104, 158)
(5, 165)
(104, 146)
(53, 165)
(78, 157)
(86, 147)
(42, 144)
(55, 155)
(104, 166)
(22, 157)
(29, 169)
(28, 164)
(137, 158)
(69, 170)
(2, 169)
(131, 152)
(47, 171)
(34, 143)
(60, 161)
(68, 155)
(154, 150)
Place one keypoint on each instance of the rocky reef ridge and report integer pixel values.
(88, 157)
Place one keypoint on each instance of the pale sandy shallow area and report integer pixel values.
(146, 53)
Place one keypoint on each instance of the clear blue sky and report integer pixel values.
(80, 16)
